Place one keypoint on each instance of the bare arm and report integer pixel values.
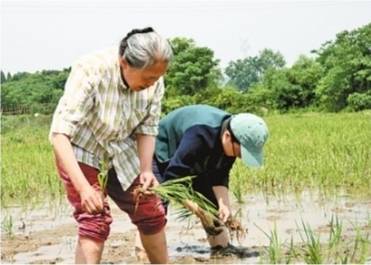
(146, 148)
(221, 194)
(91, 200)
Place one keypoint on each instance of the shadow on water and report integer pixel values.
(202, 254)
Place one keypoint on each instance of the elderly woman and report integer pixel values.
(111, 108)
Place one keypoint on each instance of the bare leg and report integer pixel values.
(88, 251)
(155, 246)
(140, 253)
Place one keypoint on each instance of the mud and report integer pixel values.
(48, 235)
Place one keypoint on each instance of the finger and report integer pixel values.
(141, 179)
(220, 216)
(225, 217)
(98, 202)
(89, 207)
(84, 207)
(146, 184)
(155, 182)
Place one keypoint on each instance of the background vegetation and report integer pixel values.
(336, 77)
(306, 149)
(326, 152)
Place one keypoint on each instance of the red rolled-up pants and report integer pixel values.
(149, 216)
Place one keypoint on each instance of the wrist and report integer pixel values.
(146, 171)
(82, 186)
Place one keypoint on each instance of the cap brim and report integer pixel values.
(252, 159)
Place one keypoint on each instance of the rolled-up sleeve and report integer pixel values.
(149, 125)
(75, 104)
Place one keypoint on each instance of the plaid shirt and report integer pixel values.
(101, 115)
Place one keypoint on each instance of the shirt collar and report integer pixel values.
(123, 84)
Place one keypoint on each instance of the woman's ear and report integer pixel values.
(123, 63)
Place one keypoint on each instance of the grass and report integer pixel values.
(312, 249)
(275, 248)
(28, 174)
(7, 225)
(339, 248)
(328, 152)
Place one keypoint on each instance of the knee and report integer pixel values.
(96, 227)
(150, 216)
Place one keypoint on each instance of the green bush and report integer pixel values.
(358, 101)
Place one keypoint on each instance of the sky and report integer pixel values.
(51, 34)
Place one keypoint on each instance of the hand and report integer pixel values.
(147, 179)
(91, 200)
(224, 212)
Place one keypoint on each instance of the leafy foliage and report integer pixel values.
(337, 77)
(193, 69)
(246, 72)
(33, 90)
(347, 64)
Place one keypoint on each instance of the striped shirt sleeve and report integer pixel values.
(75, 104)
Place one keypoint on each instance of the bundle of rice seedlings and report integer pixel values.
(180, 194)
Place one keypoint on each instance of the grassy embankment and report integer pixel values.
(326, 152)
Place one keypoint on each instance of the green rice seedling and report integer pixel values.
(274, 251)
(292, 252)
(103, 173)
(180, 193)
(298, 156)
(7, 225)
(335, 244)
(239, 182)
(336, 228)
(344, 260)
(312, 249)
(28, 174)
(361, 247)
(187, 202)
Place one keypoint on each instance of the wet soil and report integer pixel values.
(48, 235)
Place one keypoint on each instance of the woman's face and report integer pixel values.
(139, 79)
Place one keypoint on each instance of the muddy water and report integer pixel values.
(48, 235)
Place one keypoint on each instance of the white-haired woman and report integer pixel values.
(111, 108)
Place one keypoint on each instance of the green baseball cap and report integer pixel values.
(252, 133)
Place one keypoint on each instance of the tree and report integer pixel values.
(250, 70)
(358, 101)
(193, 68)
(305, 73)
(35, 91)
(283, 93)
(347, 65)
(2, 77)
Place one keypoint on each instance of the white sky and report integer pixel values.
(38, 35)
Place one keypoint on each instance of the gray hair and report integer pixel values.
(142, 48)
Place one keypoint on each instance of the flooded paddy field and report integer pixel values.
(48, 235)
(306, 151)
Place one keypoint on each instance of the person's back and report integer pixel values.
(203, 141)
(173, 126)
